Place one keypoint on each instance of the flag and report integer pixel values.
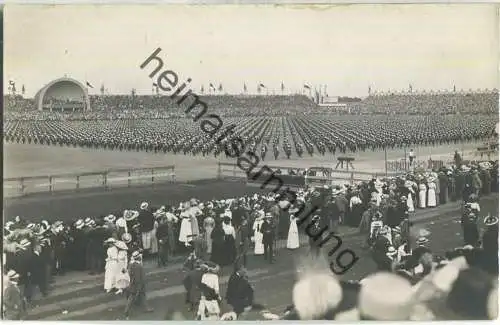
(202, 89)
(89, 85)
(282, 86)
(220, 87)
(307, 87)
(245, 87)
(262, 85)
(454, 88)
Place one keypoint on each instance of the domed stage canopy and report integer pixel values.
(63, 94)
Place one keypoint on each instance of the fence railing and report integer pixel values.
(323, 175)
(108, 179)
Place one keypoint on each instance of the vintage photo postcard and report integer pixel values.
(250, 162)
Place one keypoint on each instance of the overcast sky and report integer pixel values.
(348, 48)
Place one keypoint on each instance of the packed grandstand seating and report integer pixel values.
(126, 106)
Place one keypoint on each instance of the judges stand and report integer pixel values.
(347, 160)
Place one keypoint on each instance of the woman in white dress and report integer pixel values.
(422, 189)
(208, 225)
(209, 308)
(111, 268)
(409, 199)
(293, 234)
(186, 230)
(259, 245)
(431, 195)
(121, 264)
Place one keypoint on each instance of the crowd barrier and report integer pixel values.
(268, 176)
(109, 179)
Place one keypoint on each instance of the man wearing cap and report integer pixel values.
(268, 235)
(136, 292)
(14, 306)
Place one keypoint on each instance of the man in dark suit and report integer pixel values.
(239, 292)
(136, 292)
(243, 236)
(268, 235)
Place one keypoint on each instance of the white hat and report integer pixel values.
(121, 223)
(120, 245)
(12, 275)
(131, 215)
(110, 240)
(79, 224)
(391, 251)
(30, 226)
(378, 303)
(422, 240)
(110, 218)
(136, 255)
(88, 221)
(144, 205)
(311, 300)
(25, 243)
(229, 316)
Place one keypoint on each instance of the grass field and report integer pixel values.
(36, 160)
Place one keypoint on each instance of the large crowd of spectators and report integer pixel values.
(155, 106)
(431, 103)
(224, 231)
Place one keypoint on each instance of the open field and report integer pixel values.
(23, 160)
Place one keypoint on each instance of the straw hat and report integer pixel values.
(110, 218)
(13, 275)
(120, 245)
(422, 241)
(136, 255)
(490, 220)
(144, 205)
(79, 224)
(110, 240)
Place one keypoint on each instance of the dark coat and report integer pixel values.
(14, 307)
(137, 278)
(239, 293)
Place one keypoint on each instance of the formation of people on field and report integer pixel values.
(222, 233)
(264, 136)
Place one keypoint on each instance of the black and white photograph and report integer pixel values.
(245, 162)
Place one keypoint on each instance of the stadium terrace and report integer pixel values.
(212, 124)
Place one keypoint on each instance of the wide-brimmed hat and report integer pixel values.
(136, 255)
(211, 267)
(120, 245)
(422, 240)
(391, 251)
(490, 221)
(110, 240)
(88, 221)
(110, 218)
(24, 243)
(79, 224)
(131, 215)
(144, 205)
(13, 275)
